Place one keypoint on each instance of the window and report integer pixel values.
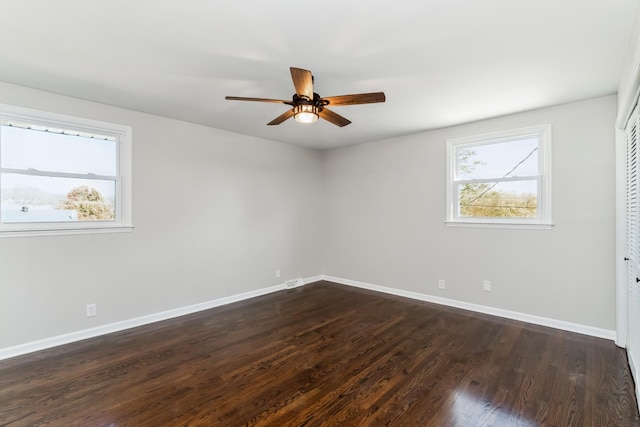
(500, 179)
(62, 175)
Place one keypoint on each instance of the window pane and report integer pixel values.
(514, 199)
(27, 198)
(46, 151)
(498, 160)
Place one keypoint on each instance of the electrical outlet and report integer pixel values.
(441, 284)
(277, 274)
(487, 286)
(91, 310)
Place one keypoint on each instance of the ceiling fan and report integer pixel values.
(308, 106)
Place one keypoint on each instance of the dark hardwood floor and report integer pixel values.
(324, 354)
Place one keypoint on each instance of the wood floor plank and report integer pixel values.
(324, 355)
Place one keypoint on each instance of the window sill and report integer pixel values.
(63, 231)
(512, 225)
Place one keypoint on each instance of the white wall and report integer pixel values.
(241, 207)
(215, 214)
(385, 211)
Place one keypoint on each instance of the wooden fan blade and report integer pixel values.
(360, 98)
(334, 118)
(281, 118)
(241, 98)
(303, 82)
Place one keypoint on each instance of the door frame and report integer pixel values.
(622, 294)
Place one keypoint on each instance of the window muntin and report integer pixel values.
(61, 174)
(500, 179)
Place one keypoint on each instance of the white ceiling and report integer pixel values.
(440, 62)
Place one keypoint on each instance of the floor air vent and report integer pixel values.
(294, 283)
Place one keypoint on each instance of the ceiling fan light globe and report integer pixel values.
(305, 113)
(306, 118)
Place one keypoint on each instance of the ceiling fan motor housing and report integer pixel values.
(318, 102)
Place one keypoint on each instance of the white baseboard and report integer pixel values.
(43, 344)
(528, 318)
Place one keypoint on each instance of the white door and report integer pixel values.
(633, 240)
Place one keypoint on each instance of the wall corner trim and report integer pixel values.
(507, 314)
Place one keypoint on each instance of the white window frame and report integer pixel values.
(543, 219)
(123, 196)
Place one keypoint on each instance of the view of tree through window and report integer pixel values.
(500, 178)
(494, 199)
(89, 204)
(56, 175)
